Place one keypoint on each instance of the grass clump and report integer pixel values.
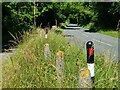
(27, 68)
(106, 73)
(63, 25)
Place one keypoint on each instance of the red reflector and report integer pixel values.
(91, 51)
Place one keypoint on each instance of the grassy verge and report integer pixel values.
(110, 33)
(27, 68)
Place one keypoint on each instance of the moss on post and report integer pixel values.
(60, 66)
(85, 78)
(47, 53)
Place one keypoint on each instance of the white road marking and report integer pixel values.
(103, 42)
(84, 35)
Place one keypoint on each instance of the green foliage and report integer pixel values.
(62, 25)
(109, 32)
(74, 12)
(58, 31)
(107, 14)
(17, 17)
(89, 26)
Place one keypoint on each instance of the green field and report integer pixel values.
(27, 68)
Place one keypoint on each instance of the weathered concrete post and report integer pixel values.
(47, 53)
(41, 34)
(85, 78)
(60, 66)
(90, 58)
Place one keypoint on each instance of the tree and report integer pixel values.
(17, 17)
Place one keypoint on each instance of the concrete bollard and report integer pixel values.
(85, 78)
(47, 53)
(60, 66)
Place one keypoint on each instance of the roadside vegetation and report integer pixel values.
(112, 33)
(109, 32)
(27, 68)
(19, 16)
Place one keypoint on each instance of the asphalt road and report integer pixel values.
(103, 44)
(6, 55)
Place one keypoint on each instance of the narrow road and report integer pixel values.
(103, 44)
(5, 55)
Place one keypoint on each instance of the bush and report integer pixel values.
(53, 28)
(20, 18)
(88, 26)
(91, 27)
(62, 25)
(58, 30)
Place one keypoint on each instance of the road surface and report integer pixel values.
(6, 55)
(103, 44)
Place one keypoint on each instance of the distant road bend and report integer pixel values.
(103, 44)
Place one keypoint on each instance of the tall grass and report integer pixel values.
(27, 68)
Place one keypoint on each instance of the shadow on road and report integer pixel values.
(90, 31)
(68, 35)
(70, 29)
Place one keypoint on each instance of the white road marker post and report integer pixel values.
(90, 58)
(46, 35)
(47, 53)
(60, 67)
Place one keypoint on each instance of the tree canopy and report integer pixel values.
(19, 16)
